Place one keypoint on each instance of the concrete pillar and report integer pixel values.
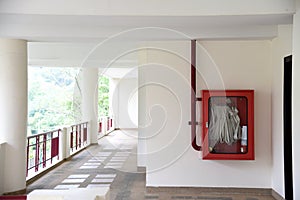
(142, 111)
(296, 102)
(90, 101)
(13, 115)
(65, 143)
(114, 104)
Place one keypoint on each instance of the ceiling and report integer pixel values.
(93, 40)
(74, 28)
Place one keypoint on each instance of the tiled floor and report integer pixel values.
(113, 163)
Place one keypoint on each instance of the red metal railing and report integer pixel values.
(78, 136)
(108, 124)
(41, 149)
(100, 127)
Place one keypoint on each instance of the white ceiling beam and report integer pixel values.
(151, 8)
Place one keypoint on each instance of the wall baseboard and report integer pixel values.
(19, 192)
(212, 190)
(277, 196)
(217, 190)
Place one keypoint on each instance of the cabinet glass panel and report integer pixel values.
(227, 125)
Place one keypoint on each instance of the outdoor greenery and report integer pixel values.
(50, 98)
(54, 98)
(103, 96)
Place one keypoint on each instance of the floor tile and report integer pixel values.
(63, 187)
(118, 159)
(97, 185)
(79, 176)
(122, 154)
(106, 176)
(104, 153)
(112, 167)
(103, 180)
(114, 163)
(92, 164)
(88, 167)
(96, 160)
(74, 180)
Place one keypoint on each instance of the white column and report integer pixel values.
(296, 102)
(90, 101)
(65, 143)
(13, 115)
(142, 111)
(114, 103)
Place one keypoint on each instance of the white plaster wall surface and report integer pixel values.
(296, 100)
(2, 159)
(128, 112)
(170, 159)
(124, 101)
(281, 47)
(142, 112)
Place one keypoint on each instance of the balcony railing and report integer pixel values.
(105, 125)
(78, 136)
(46, 149)
(42, 149)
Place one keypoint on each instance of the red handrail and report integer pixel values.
(100, 127)
(78, 136)
(108, 125)
(42, 148)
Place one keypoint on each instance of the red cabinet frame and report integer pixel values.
(215, 143)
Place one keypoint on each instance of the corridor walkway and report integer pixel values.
(113, 162)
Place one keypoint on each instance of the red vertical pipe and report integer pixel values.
(58, 143)
(37, 152)
(76, 129)
(28, 143)
(44, 149)
(52, 146)
(71, 139)
(193, 96)
(107, 123)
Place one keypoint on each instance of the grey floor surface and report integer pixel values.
(113, 163)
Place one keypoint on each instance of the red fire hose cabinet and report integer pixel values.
(228, 124)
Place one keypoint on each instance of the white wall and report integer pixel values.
(296, 100)
(2, 159)
(170, 160)
(125, 102)
(281, 47)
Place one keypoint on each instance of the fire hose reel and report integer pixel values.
(228, 124)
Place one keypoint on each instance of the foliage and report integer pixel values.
(50, 98)
(54, 98)
(103, 96)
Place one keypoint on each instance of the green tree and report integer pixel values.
(103, 96)
(50, 97)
